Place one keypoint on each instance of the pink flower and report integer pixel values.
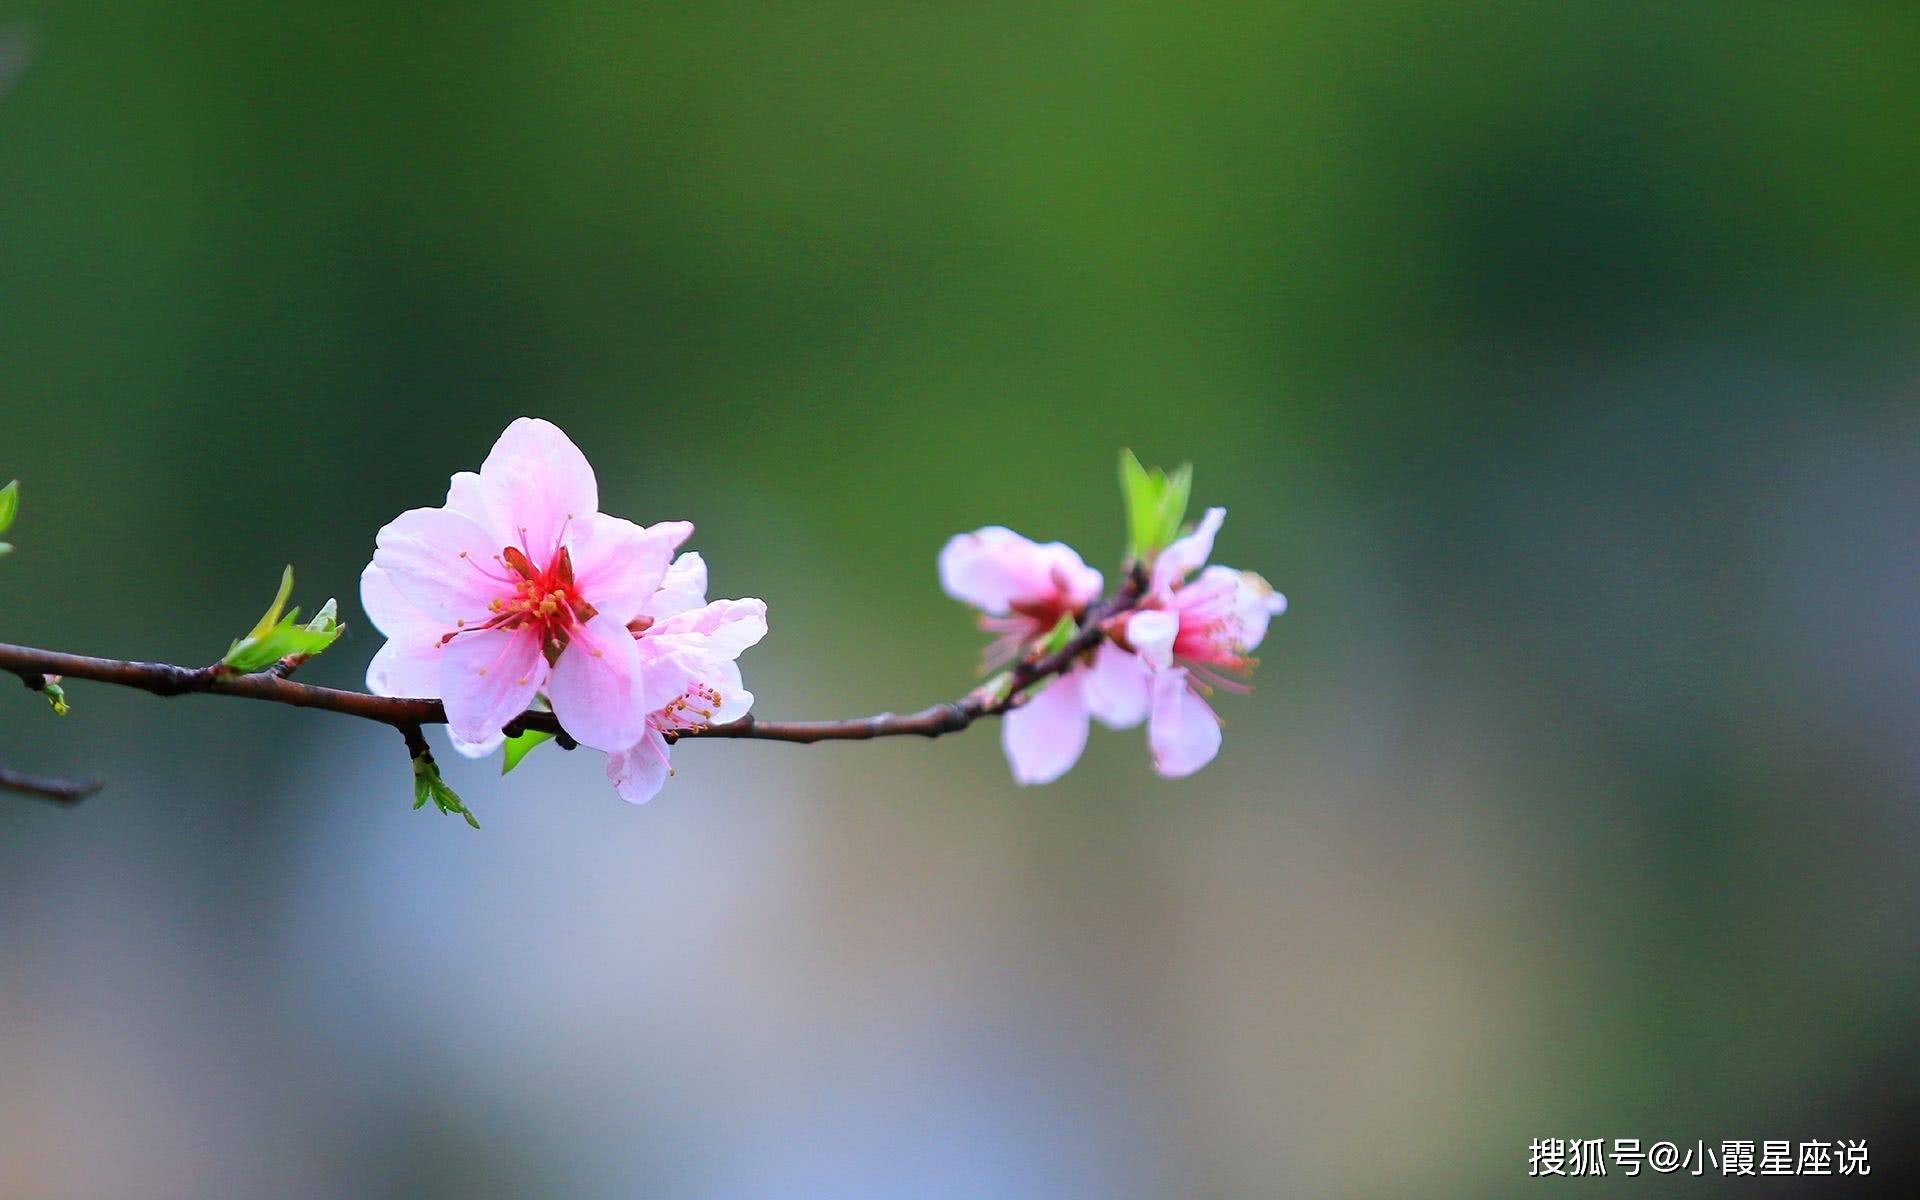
(683, 638)
(517, 587)
(1195, 635)
(1021, 588)
(1186, 638)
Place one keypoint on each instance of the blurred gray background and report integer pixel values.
(1557, 360)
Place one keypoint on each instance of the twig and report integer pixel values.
(53, 789)
(33, 665)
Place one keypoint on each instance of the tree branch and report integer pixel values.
(33, 665)
(53, 789)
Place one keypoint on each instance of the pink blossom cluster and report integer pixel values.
(1189, 634)
(519, 591)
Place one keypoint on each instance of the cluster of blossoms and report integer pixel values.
(519, 594)
(1187, 635)
(520, 591)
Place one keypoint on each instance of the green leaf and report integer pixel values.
(9, 504)
(57, 697)
(276, 636)
(1061, 633)
(1156, 505)
(427, 785)
(280, 599)
(519, 747)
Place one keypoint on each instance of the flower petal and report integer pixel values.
(994, 569)
(407, 667)
(534, 481)
(464, 496)
(595, 686)
(735, 699)
(727, 627)
(487, 678)
(1252, 604)
(684, 587)
(1187, 554)
(1182, 732)
(669, 665)
(442, 563)
(619, 565)
(479, 749)
(392, 613)
(1044, 737)
(640, 771)
(1117, 687)
(1151, 633)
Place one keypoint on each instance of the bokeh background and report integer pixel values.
(1558, 360)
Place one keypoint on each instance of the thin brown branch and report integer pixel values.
(33, 665)
(51, 788)
(956, 715)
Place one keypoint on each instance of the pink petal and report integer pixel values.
(640, 771)
(735, 699)
(1044, 737)
(487, 678)
(1182, 731)
(1187, 554)
(619, 565)
(464, 496)
(727, 627)
(1117, 687)
(392, 613)
(596, 687)
(995, 568)
(669, 665)
(1253, 605)
(478, 749)
(441, 563)
(1151, 633)
(407, 667)
(684, 587)
(535, 481)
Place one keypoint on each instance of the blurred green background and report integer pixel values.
(1557, 360)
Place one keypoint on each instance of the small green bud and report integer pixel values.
(9, 508)
(278, 635)
(427, 785)
(1061, 633)
(1156, 505)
